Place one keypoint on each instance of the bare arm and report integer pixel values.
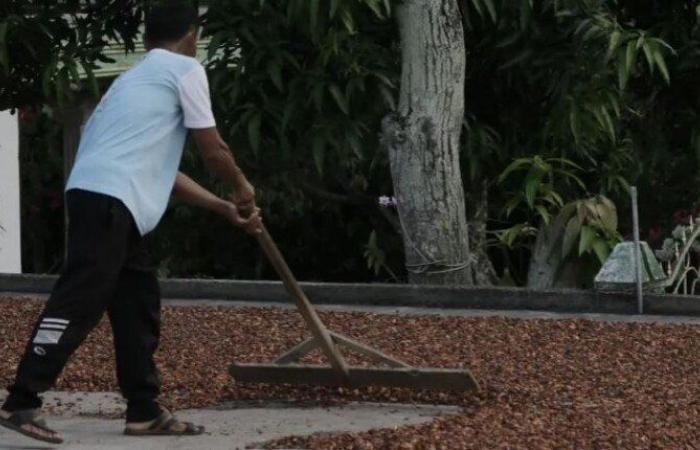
(190, 192)
(219, 160)
(187, 190)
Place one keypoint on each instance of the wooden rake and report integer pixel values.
(285, 369)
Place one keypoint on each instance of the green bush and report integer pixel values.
(299, 90)
(607, 85)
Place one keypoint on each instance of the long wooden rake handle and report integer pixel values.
(318, 329)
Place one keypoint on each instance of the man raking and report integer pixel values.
(125, 171)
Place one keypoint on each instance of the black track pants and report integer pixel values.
(106, 269)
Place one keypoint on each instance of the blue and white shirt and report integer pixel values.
(132, 144)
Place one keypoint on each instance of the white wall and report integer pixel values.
(10, 256)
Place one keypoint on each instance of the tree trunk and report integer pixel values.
(482, 269)
(547, 259)
(422, 138)
(548, 267)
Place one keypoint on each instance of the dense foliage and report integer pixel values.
(568, 103)
(44, 45)
(299, 90)
(601, 89)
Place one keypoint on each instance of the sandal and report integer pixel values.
(29, 423)
(164, 425)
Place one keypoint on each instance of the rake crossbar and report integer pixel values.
(285, 370)
(422, 378)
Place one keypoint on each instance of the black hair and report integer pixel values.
(170, 21)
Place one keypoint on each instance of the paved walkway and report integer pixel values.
(411, 310)
(87, 421)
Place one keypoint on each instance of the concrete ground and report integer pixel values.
(88, 422)
(412, 310)
(451, 312)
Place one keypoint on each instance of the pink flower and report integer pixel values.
(387, 201)
(682, 216)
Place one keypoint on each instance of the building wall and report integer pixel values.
(10, 242)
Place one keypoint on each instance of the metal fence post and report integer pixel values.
(637, 251)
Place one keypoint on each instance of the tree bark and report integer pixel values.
(422, 138)
(548, 267)
(547, 258)
(483, 271)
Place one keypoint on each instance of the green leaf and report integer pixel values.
(525, 14)
(383, 78)
(313, 15)
(376, 9)
(573, 177)
(318, 147)
(388, 97)
(601, 249)
(551, 196)
(522, 56)
(608, 123)
(317, 96)
(214, 44)
(254, 136)
(509, 235)
(333, 8)
(571, 234)
(566, 162)
(650, 58)
(592, 33)
(532, 186)
(355, 144)
(588, 235)
(387, 7)
(512, 167)
(544, 214)
(665, 44)
(573, 123)
(47, 76)
(622, 72)
(541, 164)
(607, 212)
(492, 10)
(340, 99)
(661, 64)
(287, 112)
(477, 6)
(630, 57)
(62, 86)
(348, 21)
(512, 203)
(615, 37)
(274, 69)
(92, 81)
(73, 71)
(614, 103)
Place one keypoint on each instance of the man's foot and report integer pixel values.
(164, 424)
(29, 423)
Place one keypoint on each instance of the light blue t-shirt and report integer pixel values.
(132, 144)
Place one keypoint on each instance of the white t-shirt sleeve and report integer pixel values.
(195, 99)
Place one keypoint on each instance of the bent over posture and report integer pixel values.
(125, 171)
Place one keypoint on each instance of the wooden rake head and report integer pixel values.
(285, 369)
